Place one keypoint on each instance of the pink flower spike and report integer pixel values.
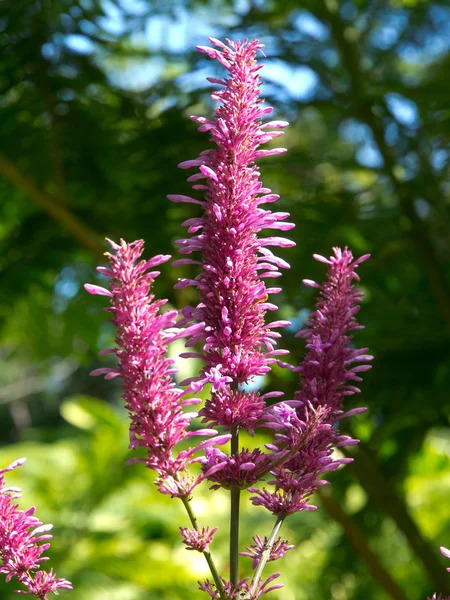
(21, 547)
(237, 344)
(155, 405)
(306, 430)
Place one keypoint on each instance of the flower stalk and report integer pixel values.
(265, 555)
(235, 496)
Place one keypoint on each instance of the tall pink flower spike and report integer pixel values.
(21, 547)
(238, 345)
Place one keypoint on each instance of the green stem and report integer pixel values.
(265, 555)
(206, 553)
(234, 516)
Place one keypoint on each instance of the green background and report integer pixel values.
(95, 99)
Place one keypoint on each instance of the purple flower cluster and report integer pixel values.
(155, 405)
(238, 345)
(21, 547)
(242, 469)
(325, 373)
(242, 589)
(197, 539)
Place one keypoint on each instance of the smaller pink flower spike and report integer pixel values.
(155, 404)
(21, 547)
(306, 427)
(329, 365)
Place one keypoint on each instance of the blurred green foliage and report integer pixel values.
(94, 106)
